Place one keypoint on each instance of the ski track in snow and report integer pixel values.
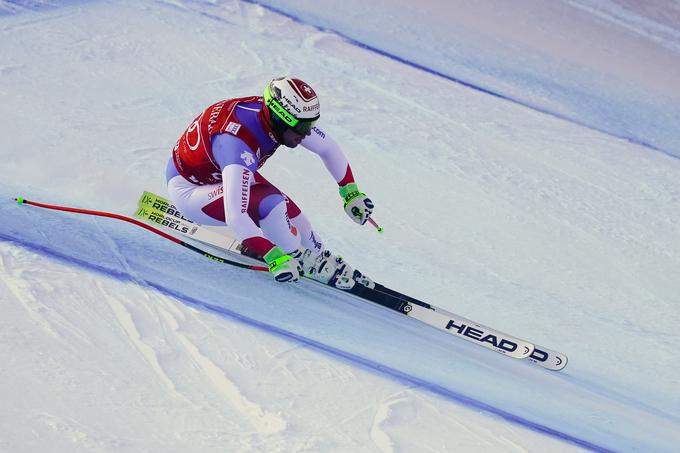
(382, 415)
(130, 327)
(263, 421)
(140, 332)
(269, 423)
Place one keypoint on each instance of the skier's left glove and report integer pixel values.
(284, 267)
(357, 205)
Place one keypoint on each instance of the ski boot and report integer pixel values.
(330, 269)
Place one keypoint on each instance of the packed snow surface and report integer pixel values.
(522, 159)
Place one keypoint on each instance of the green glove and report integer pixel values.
(357, 205)
(284, 267)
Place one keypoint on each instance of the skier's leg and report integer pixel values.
(205, 205)
(318, 262)
(274, 211)
(202, 204)
(309, 239)
(273, 219)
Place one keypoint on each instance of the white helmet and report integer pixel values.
(292, 103)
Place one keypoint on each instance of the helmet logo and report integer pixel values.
(280, 111)
(302, 89)
(289, 104)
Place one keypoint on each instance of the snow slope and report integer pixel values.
(610, 65)
(115, 340)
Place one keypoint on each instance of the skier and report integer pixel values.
(213, 178)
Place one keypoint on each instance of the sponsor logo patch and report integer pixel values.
(245, 190)
(233, 128)
(247, 158)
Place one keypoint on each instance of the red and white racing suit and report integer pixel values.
(213, 176)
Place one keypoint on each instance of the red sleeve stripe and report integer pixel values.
(349, 177)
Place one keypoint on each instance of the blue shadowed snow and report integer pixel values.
(8, 7)
(408, 351)
(45, 232)
(533, 80)
(337, 353)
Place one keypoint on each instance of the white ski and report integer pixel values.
(160, 211)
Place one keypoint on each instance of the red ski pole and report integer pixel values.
(219, 259)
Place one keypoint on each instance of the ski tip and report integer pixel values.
(381, 230)
(548, 359)
(19, 200)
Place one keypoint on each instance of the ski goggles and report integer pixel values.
(299, 126)
(304, 126)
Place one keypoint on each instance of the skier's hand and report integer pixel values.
(357, 205)
(284, 267)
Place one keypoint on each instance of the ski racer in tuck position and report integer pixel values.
(213, 179)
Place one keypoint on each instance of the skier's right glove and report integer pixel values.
(284, 267)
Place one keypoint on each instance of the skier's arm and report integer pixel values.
(321, 144)
(238, 164)
(357, 205)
